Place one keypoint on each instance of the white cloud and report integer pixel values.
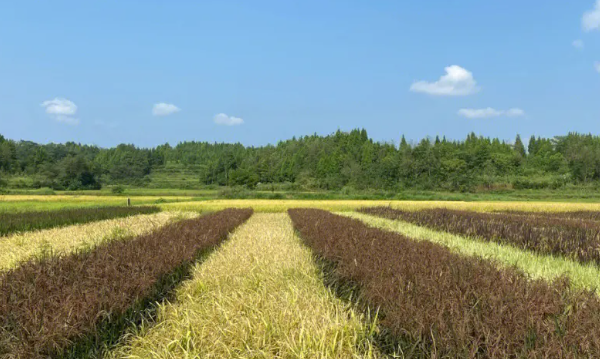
(578, 44)
(515, 112)
(62, 110)
(597, 66)
(164, 109)
(479, 112)
(456, 82)
(489, 112)
(60, 106)
(223, 119)
(591, 19)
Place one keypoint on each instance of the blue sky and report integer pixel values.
(255, 72)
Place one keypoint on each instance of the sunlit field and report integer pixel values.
(327, 279)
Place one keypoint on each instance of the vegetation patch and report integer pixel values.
(436, 303)
(575, 239)
(49, 305)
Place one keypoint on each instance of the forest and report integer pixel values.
(333, 162)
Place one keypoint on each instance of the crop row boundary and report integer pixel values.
(548, 267)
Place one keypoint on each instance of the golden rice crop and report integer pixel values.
(259, 296)
(267, 205)
(19, 247)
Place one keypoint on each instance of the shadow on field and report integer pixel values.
(112, 329)
(393, 346)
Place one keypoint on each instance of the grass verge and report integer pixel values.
(259, 296)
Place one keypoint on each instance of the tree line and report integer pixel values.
(333, 162)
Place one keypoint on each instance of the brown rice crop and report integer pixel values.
(29, 221)
(435, 303)
(574, 239)
(47, 306)
(574, 215)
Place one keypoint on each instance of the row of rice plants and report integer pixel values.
(29, 221)
(535, 265)
(579, 215)
(436, 303)
(260, 295)
(68, 305)
(20, 247)
(574, 239)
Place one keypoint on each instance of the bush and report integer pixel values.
(118, 189)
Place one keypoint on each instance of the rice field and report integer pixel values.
(301, 279)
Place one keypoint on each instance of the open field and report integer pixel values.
(353, 285)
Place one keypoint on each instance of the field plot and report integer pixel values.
(436, 303)
(575, 239)
(275, 205)
(48, 306)
(259, 296)
(29, 221)
(59, 241)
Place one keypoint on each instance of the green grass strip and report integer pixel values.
(582, 276)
